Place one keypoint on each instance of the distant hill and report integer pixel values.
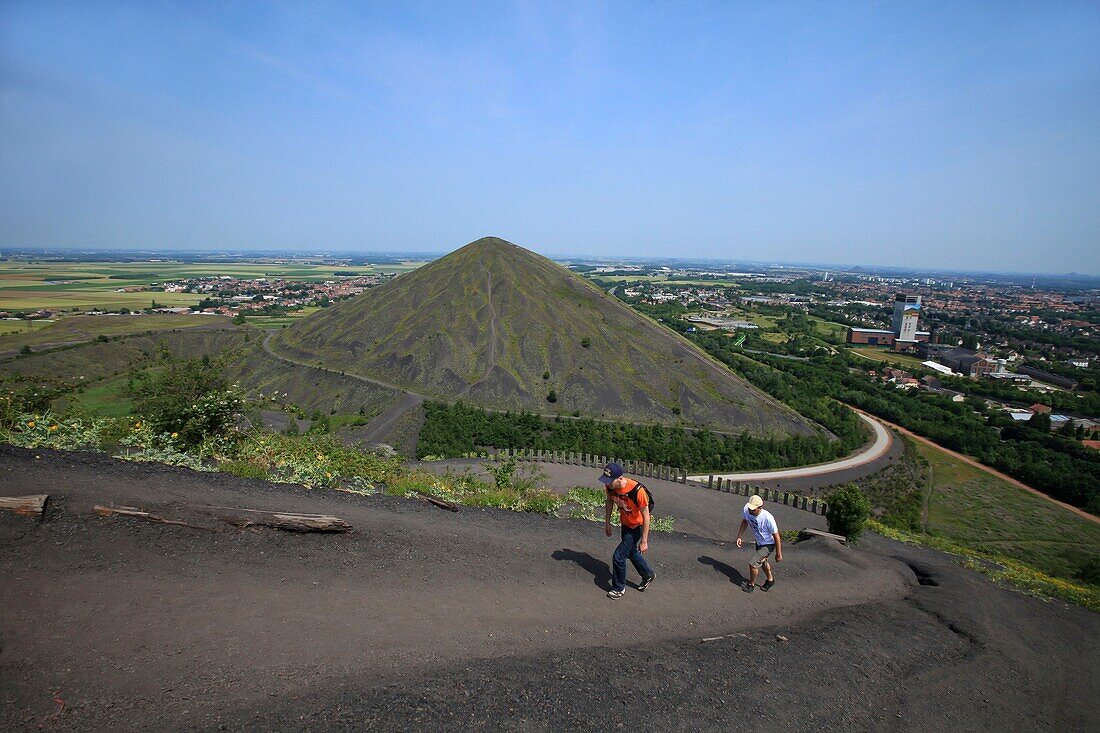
(503, 327)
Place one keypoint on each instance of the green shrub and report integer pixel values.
(186, 397)
(496, 498)
(848, 511)
(244, 469)
(585, 497)
(502, 471)
(542, 501)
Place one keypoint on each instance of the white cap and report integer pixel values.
(755, 502)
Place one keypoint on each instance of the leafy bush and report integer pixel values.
(48, 430)
(244, 469)
(542, 501)
(314, 461)
(185, 397)
(502, 471)
(848, 511)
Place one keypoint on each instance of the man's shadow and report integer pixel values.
(601, 571)
(729, 571)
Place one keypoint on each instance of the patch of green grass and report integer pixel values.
(86, 328)
(1002, 569)
(887, 357)
(975, 509)
(106, 398)
(244, 469)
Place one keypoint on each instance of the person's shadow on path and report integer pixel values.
(729, 571)
(601, 571)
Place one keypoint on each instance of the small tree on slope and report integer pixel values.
(848, 511)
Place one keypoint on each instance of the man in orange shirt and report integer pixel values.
(633, 503)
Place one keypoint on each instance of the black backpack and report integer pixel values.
(633, 494)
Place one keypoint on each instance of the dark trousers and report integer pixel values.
(628, 548)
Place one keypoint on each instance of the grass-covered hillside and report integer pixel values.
(500, 326)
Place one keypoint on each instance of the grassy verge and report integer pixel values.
(313, 461)
(887, 357)
(1001, 569)
(978, 510)
(932, 498)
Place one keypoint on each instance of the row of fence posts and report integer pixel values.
(786, 498)
(667, 473)
(572, 458)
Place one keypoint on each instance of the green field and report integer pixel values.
(887, 357)
(32, 285)
(83, 328)
(976, 509)
(838, 331)
(10, 326)
(280, 321)
(665, 280)
(106, 398)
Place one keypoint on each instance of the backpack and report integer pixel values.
(633, 494)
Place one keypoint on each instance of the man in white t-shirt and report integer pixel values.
(766, 533)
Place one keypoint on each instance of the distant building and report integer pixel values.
(904, 322)
(967, 362)
(903, 334)
(937, 367)
(870, 336)
(1045, 376)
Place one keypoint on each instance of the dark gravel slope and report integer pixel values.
(488, 620)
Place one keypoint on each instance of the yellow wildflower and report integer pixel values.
(53, 427)
(30, 423)
(175, 435)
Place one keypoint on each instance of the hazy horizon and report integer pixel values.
(955, 137)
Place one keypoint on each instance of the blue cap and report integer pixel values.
(611, 472)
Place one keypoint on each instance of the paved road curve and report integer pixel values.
(877, 450)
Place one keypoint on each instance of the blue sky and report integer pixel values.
(946, 134)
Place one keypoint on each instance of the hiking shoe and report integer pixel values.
(615, 594)
(748, 587)
(767, 584)
(645, 582)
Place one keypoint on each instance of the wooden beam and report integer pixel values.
(129, 511)
(450, 506)
(288, 521)
(818, 533)
(25, 506)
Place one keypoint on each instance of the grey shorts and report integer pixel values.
(761, 555)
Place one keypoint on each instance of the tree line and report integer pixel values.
(463, 429)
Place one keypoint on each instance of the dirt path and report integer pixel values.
(994, 472)
(379, 427)
(491, 361)
(379, 383)
(927, 499)
(487, 620)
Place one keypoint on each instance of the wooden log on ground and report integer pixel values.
(818, 533)
(288, 521)
(450, 506)
(129, 511)
(25, 506)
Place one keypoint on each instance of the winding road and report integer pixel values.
(380, 426)
(870, 454)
